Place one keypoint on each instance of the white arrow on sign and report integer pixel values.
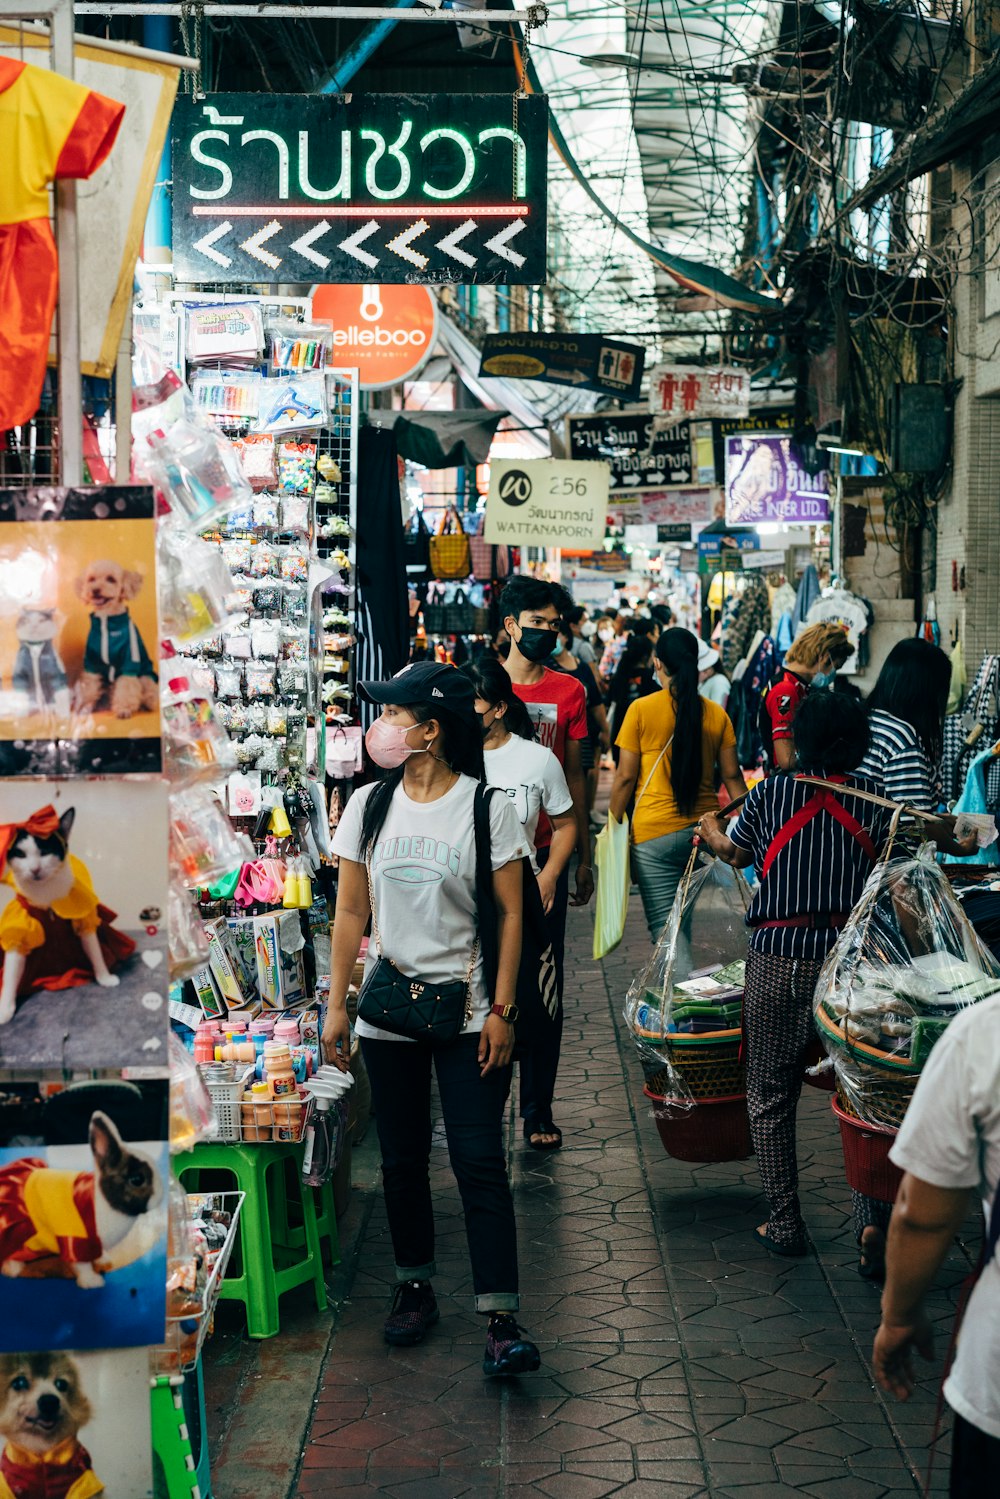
(451, 242)
(208, 240)
(402, 245)
(255, 245)
(354, 242)
(304, 245)
(630, 478)
(500, 243)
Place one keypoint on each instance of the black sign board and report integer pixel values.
(587, 360)
(362, 187)
(674, 531)
(639, 457)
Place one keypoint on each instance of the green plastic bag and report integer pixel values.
(959, 679)
(611, 860)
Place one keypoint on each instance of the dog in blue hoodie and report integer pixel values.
(115, 661)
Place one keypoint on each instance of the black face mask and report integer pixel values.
(537, 645)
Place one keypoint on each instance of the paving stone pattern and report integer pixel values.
(679, 1359)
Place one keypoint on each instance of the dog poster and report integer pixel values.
(83, 941)
(83, 1220)
(76, 1425)
(79, 633)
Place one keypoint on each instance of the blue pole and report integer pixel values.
(158, 238)
(359, 52)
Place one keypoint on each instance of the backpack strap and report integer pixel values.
(486, 909)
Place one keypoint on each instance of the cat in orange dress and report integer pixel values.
(54, 934)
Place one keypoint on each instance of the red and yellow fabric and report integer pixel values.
(63, 1473)
(50, 129)
(44, 1212)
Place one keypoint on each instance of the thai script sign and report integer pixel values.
(683, 390)
(640, 458)
(766, 480)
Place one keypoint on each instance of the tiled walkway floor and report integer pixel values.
(679, 1360)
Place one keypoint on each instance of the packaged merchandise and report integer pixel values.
(231, 332)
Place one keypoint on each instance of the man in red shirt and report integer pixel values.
(557, 705)
(813, 660)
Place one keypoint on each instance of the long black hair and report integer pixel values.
(491, 682)
(913, 685)
(677, 652)
(461, 747)
(636, 656)
(830, 733)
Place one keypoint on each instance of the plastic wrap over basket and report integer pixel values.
(685, 1009)
(906, 963)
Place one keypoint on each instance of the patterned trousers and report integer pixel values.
(778, 1029)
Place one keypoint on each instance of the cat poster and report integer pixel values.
(79, 634)
(83, 1216)
(83, 942)
(76, 1424)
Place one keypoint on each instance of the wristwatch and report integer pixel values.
(506, 1012)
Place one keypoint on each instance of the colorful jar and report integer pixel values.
(287, 1113)
(279, 1069)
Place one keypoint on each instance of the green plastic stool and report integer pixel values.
(269, 1267)
(291, 1235)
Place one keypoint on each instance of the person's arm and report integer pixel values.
(923, 1225)
(942, 832)
(352, 915)
(496, 1044)
(601, 719)
(560, 853)
(710, 832)
(577, 783)
(784, 754)
(625, 782)
(732, 775)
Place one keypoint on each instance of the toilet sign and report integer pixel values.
(384, 332)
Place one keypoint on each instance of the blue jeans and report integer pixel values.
(658, 865)
(473, 1109)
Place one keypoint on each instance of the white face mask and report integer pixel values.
(588, 629)
(606, 635)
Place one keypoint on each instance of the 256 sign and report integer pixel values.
(547, 502)
(348, 188)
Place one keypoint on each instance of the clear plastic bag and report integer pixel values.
(685, 1008)
(906, 963)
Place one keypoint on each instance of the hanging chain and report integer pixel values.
(192, 13)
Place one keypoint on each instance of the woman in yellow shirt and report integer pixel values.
(671, 746)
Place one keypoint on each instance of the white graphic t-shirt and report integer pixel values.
(424, 875)
(533, 779)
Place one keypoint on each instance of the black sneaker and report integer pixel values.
(508, 1350)
(414, 1310)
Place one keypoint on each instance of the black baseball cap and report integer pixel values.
(424, 682)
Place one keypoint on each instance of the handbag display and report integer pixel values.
(413, 1007)
(450, 557)
(459, 615)
(489, 563)
(417, 549)
(434, 610)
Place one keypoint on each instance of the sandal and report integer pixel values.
(542, 1127)
(794, 1251)
(871, 1265)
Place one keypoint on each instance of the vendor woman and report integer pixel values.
(812, 849)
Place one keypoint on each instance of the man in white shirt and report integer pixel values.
(949, 1143)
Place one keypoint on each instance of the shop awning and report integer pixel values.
(446, 439)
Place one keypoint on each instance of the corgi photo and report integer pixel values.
(79, 634)
(116, 661)
(55, 933)
(43, 1408)
(67, 1224)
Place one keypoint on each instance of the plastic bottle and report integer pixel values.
(287, 1114)
(263, 1118)
(278, 1066)
(248, 1118)
(204, 1044)
(322, 1137)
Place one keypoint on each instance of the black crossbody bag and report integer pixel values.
(421, 1009)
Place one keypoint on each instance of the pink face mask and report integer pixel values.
(387, 744)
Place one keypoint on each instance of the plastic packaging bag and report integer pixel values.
(907, 962)
(685, 1009)
(611, 859)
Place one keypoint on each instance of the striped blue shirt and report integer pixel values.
(820, 872)
(900, 762)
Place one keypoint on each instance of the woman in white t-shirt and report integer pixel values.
(534, 781)
(410, 841)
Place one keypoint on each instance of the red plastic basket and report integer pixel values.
(716, 1129)
(866, 1156)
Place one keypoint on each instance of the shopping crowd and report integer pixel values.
(469, 851)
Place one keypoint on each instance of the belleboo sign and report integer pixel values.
(547, 502)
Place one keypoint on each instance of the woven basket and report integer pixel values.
(888, 1099)
(706, 1077)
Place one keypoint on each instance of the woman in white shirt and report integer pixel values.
(533, 780)
(407, 847)
(712, 681)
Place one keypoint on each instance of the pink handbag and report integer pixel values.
(489, 563)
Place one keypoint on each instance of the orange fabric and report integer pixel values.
(41, 824)
(50, 128)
